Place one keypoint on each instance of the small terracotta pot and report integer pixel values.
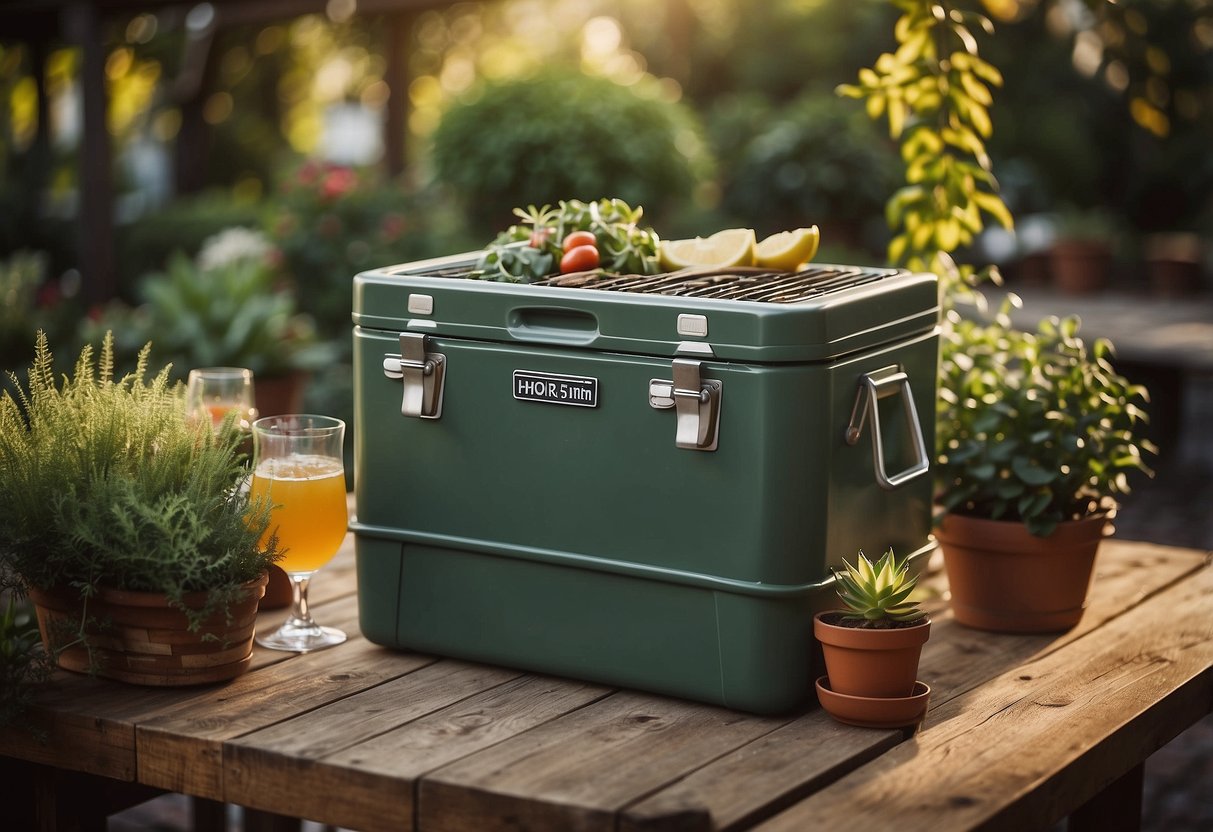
(868, 662)
(139, 637)
(1005, 579)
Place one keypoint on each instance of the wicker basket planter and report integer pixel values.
(138, 637)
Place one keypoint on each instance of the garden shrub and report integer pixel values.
(816, 160)
(330, 222)
(561, 134)
(181, 225)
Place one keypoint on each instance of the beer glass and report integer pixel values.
(297, 465)
(213, 392)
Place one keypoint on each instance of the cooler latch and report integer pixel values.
(421, 373)
(695, 400)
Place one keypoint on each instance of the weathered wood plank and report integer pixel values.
(758, 780)
(577, 771)
(180, 749)
(262, 768)
(74, 742)
(1041, 739)
(373, 783)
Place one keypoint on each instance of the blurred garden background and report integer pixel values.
(256, 155)
(210, 176)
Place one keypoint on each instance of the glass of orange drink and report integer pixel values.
(297, 466)
(213, 392)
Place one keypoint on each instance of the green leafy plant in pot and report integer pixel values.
(872, 647)
(125, 520)
(223, 309)
(1036, 436)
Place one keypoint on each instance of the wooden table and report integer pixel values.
(1022, 730)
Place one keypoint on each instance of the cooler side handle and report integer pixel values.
(876, 385)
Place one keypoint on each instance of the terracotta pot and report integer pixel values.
(278, 592)
(1007, 580)
(1174, 278)
(139, 637)
(868, 662)
(1174, 262)
(873, 711)
(1080, 267)
(279, 395)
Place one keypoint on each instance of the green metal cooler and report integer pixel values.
(636, 481)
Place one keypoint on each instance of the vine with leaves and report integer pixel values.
(935, 92)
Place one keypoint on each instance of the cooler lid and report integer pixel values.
(752, 315)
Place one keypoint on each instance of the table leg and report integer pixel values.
(257, 821)
(208, 815)
(1115, 809)
(53, 800)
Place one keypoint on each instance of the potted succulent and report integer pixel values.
(872, 647)
(1036, 436)
(126, 524)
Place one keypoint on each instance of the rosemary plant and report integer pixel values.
(105, 482)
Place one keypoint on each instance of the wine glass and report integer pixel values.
(297, 465)
(213, 392)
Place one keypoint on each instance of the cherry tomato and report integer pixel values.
(580, 238)
(579, 259)
(539, 237)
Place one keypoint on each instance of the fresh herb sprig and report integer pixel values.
(531, 249)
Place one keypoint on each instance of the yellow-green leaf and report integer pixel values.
(979, 117)
(993, 205)
(978, 91)
(947, 234)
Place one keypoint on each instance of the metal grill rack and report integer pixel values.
(749, 284)
(739, 283)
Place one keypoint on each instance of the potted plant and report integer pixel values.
(1080, 259)
(1036, 436)
(223, 309)
(125, 522)
(872, 647)
(1174, 263)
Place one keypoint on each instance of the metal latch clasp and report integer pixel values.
(695, 400)
(421, 373)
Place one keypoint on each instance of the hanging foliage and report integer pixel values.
(935, 92)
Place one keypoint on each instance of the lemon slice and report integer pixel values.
(731, 247)
(787, 250)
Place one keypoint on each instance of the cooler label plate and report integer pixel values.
(553, 388)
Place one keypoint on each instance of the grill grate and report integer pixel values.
(748, 284)
(740, 283)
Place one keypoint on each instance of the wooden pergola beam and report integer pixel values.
(82, 22)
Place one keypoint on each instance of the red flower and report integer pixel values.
(337, 182)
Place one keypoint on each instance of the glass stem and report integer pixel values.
(300, 612)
